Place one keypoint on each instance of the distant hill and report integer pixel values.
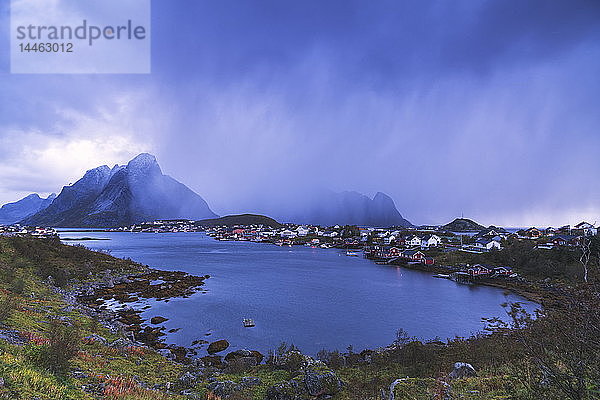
(242, 219)
(12, 213)
(463, 225)
(349, 208)
(122, 195)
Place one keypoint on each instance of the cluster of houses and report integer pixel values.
(356, 237)
(37, 232)
(416, 245)
(413, 245)
(565, 236)
(384, 246)
(290, 234)
(376, 243)
(161, 226)
(380, 243)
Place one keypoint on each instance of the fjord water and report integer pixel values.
(314, 298)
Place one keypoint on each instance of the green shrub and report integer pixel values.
(7, 306)
(333, 359)
(17, 285)
(63, 345)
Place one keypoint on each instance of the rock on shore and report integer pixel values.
(218, 346)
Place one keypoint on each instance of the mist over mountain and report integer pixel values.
(122, 195)
(14, 212)
(347, 208)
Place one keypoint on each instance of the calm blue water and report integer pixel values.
(314, 298)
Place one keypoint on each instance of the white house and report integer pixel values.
(389, 239)
(587, 228)
(431, 241)
(330, 234)
(488, 244)
(413, 241)
(286, 233)
(302, 230)
(266, 235)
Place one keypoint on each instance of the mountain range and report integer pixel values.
(139, 191)
(14, 212)
(349, 208)
(122, 195)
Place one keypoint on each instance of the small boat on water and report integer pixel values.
(248, 323)
(352, 253)
(442, 276)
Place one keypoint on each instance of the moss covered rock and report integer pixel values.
(158, 320)
(321, 381)
(283, 391)
(218, 346)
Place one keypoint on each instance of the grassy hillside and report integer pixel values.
(43, 353)
(463, 225)
(242, 219)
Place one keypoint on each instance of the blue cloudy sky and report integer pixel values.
(487, 108)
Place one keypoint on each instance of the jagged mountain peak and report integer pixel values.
(14, 212)
(349, 207)
(98, 171)
(98, 176)
(116, 168)
(144, 161)
(123, 195)
(144, 158)
(382, 197)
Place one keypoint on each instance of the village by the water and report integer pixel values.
(424, 247)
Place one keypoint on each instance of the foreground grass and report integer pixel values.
(97, 370)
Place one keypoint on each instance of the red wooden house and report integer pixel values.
(413, 255)
(479, 270)
(428, 261)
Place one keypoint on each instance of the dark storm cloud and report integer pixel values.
(519, 32)
(384, 40)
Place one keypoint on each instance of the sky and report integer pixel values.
(487, 109)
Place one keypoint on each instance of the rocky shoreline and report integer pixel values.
(92, 298)
(89, 298)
